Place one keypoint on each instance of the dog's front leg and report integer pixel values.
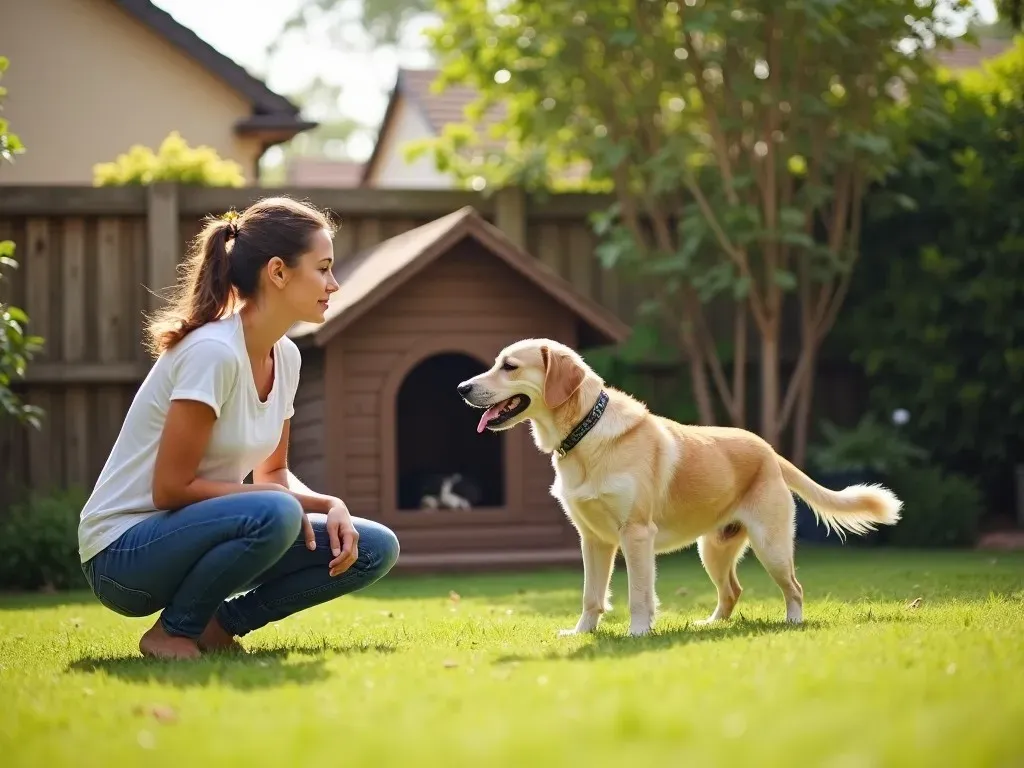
(638, 552)
(598, 559)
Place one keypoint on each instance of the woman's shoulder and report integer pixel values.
(211, 344)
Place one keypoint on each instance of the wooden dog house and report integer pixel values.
(378, 415)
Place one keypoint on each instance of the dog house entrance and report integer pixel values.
(436, 440)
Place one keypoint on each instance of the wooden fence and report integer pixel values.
(92, 259)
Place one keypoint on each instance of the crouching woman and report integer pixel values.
(170, 526)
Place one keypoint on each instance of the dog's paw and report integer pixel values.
(640, 629)
(567, 632)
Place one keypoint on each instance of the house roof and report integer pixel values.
(964, 56)
(370, 276)
(437, 108)
(272, 113)
(323, 172)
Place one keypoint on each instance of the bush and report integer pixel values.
(933, 315)
(39, 542)
(940, 509)
(175, 161)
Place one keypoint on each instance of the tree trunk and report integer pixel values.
(702, 392)
(802, 420)
(770, 383)
(739, 366)
(699, 378)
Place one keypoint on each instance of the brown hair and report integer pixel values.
(224, 263)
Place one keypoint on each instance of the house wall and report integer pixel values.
(87, 81)
(478, 304)
(391, 168)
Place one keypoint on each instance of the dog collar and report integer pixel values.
(581, 429)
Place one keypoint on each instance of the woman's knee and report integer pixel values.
(378, 546)
(276, 514)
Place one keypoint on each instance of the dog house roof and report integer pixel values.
(371, 275)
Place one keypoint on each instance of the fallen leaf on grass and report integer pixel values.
(916, 603)
(449, 663)
(159, 712)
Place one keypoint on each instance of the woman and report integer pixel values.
(170, 526)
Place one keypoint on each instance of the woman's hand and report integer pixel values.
(344, 538)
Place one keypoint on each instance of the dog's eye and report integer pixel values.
(507, 366)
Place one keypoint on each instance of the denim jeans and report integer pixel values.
(247, 547)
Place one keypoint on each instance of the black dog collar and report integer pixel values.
(587, 424)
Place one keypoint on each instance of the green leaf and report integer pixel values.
(785, 280)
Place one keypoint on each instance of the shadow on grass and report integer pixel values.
(260, 668)
(606, 644)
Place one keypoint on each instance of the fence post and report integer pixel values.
(510, 214)
(162, 226)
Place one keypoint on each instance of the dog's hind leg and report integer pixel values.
(769, 519)
(720, 551)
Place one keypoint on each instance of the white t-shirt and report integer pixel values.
(210, 365)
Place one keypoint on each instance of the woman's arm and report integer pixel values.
(274, 469)
(186, 433)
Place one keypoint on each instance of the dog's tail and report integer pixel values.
(857, 508)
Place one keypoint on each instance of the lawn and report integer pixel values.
(467, 670)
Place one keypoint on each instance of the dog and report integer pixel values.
(447, 498)
(632, 480)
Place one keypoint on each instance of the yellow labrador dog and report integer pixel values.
(633, 480)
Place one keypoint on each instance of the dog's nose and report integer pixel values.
(465, 387)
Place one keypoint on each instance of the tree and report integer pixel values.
(17, 347)
(739, 143)
(356, 23)
(1012, 11)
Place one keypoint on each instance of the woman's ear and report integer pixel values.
(562, 377)
(277, 272)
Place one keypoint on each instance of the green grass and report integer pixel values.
(405, 675)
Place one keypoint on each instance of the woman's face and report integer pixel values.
(310, 282)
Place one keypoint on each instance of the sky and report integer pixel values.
(237, 29)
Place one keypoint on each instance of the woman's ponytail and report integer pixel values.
(204, 292)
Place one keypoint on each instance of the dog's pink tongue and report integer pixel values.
(489, 414)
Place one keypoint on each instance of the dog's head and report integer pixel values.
(531, 378)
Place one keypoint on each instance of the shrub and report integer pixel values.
(871, 446)
(39, 542)
(175, 161)
(933, 316)
(940, 508)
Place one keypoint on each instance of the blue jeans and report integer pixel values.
(189, 562)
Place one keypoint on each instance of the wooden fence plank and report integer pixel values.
(111, 311)
(77, 438)
(74, 298)
(32, 200)
(36, 263)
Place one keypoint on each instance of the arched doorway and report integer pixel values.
(436, 437)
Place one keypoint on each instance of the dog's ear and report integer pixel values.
(562, 377)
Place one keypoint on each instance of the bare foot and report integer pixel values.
(216, 638)
(158, 644)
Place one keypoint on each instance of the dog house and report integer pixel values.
(379, 422)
